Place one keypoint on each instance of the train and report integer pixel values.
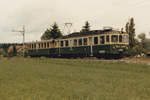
(105, 43)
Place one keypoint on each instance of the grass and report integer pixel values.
(61, 79)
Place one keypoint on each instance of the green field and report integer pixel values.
(62, 79)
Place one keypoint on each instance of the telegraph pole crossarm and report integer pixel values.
(23, 34)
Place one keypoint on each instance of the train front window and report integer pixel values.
(85, 41)
(120, 38)
(95, 40)
(80, 42)
(125, 38)
(114, 38)
(107, 38)
(66, 43)
(102, 39)
(61, 43)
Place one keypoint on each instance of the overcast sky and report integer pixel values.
(37, 15)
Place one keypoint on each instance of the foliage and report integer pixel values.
(142, 46)
(86, 28)
(136, 50)
(3, 52)
(130, 29)
(145, 42)
(52, 33)
(136, 47)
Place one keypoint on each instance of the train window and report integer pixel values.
(90, 40)
(80, 42)
(61, 43)
(37, 46)
(71, 43)
(95, 40)
(85, 41)
(31, 46)
(44, 45)
(41, 45)
(34, 46)
(107, 38)
(75, 42)
(66, 43)
(125, 38)
(56, 43)
(47, 45)
(102, 39)
(114, 38)
(120, 38)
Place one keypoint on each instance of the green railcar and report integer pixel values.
(97, 43)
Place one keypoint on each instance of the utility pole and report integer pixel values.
(23, 34)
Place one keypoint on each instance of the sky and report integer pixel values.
(38, 15)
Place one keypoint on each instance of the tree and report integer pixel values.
(52, 33)
(86, 28)
(127, 27)
(46, 35)
(145, 43)
(130, 29)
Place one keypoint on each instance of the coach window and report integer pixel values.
(55, 43)
(30, 46)
(38, 45)
(75, 42)
(47, 44)
(71, 43)
(41, 45)
(44, 45)
(66, 43)
(95, 40)
(61, 43)
(120, 38)
(85, 41)
(107, 38)
(114, 38)
(34, 46)
(80, 42)
(102, 39)
(125, 38)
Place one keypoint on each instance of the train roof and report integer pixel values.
(93, 32)
(82, 34)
